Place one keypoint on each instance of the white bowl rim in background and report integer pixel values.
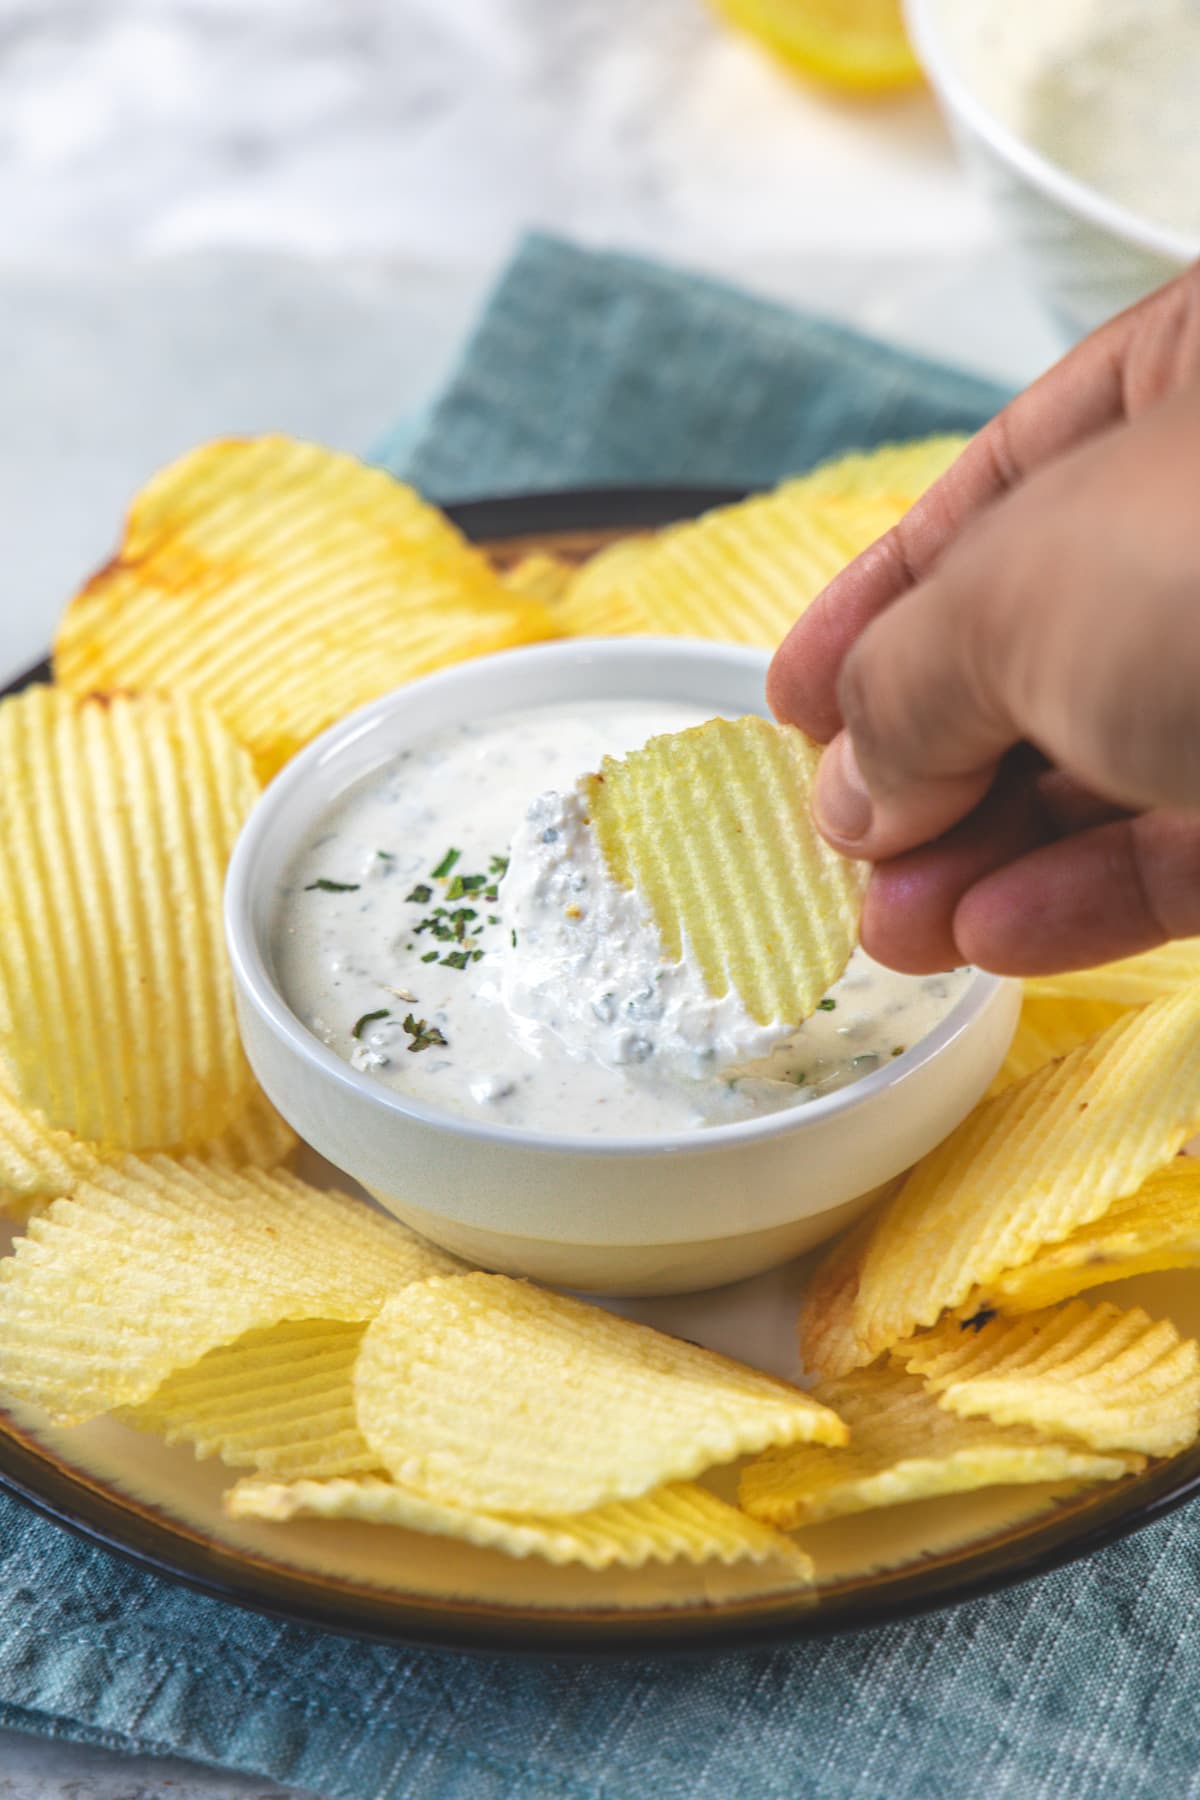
(250, 956)
(923, 21)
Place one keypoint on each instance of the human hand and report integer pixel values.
(1009, 680)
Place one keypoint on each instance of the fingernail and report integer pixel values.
(841, 802)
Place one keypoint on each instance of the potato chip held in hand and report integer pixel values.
(491, 1394)
(1115, 1380)
(285, 584)
(713, 828)
(117, 817)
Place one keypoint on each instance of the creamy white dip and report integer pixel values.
(534, 992)
(1109, 90)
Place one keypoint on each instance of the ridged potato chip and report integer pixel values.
(827, 1340)
(279, 1400)
(898, 472)
(1050, 1026)
(1116, 1380)
(1030, 1166)
(539, 576)
(285, 585)
(743, 574)
(39, 1162)
(596, 601)
(117, 816)
(1158, 1227)
(713, 827)
(153, 1263)
(676, 1523)
(1133, 980)
(491, 1394)
(903, 1446)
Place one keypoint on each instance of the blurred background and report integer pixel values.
(222, 215)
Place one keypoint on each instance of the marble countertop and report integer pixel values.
(226, 217)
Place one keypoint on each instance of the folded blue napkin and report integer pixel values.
(593, 368)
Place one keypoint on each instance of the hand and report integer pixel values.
(1009, 680)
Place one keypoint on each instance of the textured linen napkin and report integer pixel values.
(597, 368)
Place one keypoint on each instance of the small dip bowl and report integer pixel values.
(644, 1215)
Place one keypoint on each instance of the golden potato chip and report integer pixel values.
(1158, 1227)
(492, 1394)
(677, 1523)
(539, 576)
(743, 574)
(1133, 980)
(278, 1400)
(39, 1162)
(285, 585)
(899, 472)
(903, 1446)
(1115, 1380)
(117, 817)
(713, 828)
(1050, 1026)
(826, 1337)
(153, 1263)
(1027, 1168)
(596, 601)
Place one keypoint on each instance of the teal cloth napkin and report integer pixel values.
(600, 368)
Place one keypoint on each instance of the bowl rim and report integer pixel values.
(259, 988)
(922, 19)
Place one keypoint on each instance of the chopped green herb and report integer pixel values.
(369, 1019)
(465, 884)
(826, 1005)
(897, 1049)
(476, 955)
(491, 892)
(332, 887)
(799, 1077)
(493, 918)
(447, 863)
(422, 1035)
(514, 939)
(430, 956)
(420, 895)
(386, 855)
(498, 866)
(457, 959)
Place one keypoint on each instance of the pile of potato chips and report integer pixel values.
(174, 1274)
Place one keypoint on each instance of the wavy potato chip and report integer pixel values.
(1156, 1228)
(539, 576)
(826, 1338)
(117, 817)
(153, 1263)
(1116, 1380)
(491, 1394)
(714, 829)
(1050, 1026)
(676, 1523)
(38, 1162)
(596, 601)
(1027, 1168)
(899, 472)
(1130, 982)
(743, 574)
(285, 585)
(903, 1446)
(279, 1400)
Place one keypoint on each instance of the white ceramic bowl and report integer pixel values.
(1087, 255)
(620, 1215)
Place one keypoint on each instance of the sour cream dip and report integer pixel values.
(449, 928)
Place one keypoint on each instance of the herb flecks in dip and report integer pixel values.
(534, 992)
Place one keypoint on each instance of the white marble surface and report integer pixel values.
(225, 215)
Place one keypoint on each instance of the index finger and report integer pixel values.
(1119, 370)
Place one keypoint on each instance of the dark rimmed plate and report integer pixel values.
(161, 1509)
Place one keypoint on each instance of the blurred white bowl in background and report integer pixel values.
(1088, 256)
